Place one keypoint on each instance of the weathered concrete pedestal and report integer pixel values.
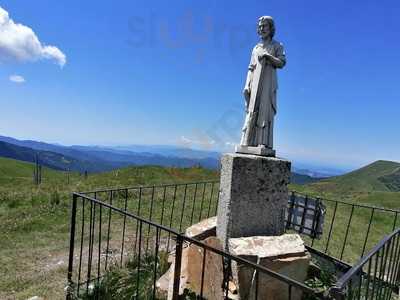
(250, 224)
(253, 196)
(259, 150)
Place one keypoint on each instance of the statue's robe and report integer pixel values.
(267, 104)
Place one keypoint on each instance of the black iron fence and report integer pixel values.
(350, 230)
(140, 226)
(106, 238)
(176, 206)
(376, 275)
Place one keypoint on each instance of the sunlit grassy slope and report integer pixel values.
(35, 220)
(380, 177)
(373, 185)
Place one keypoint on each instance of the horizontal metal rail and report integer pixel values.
(355, 204)
(120, 189)
(374, 276)
(126, 213)
(147, 187)
(357, 268)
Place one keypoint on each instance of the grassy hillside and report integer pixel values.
(302, 179)
(379, 177)
(34, 221)
(15, 173)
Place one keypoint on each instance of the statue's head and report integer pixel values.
(266, 27)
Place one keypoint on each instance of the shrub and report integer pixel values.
(54, 198)
(121, 283)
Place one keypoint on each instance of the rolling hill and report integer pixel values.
(15, 174)
(380, 176)
(18, 175)
(54, 160)
(302, 179)
(375, 184)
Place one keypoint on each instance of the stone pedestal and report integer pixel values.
(258, 150)
(253, 196)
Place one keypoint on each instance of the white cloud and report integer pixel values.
(19, 42)
(17, 79)
(202, 142)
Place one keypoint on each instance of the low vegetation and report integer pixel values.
(34, 233)
(35, 219)
(365, 187)
(125, 283)
(378, 177)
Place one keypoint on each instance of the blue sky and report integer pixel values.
(172, 72)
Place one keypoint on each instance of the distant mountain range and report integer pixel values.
(302, 179)
(101, 159)
(50, 159)
(167, 150)
(93, 159)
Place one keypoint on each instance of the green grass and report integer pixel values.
(34, 235)
(371, 178)
(126, 282)
(364, 187)
(35, 220)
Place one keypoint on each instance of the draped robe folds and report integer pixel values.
(267, 104)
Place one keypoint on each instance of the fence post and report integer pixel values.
(71, 247)
(40, 174)
(178, 263)
(336, 293)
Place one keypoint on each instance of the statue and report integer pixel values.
(260, 92)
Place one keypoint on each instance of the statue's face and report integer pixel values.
(264, 30)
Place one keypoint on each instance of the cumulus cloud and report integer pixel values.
(19, 42)
(17, 79)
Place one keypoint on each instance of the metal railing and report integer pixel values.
(351, 229)
(131, 223)
(178, 206)
(105, 236)
(376, 275)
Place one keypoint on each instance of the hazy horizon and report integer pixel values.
(298, 161)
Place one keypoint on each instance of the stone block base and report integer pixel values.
(202, 230)
(253, 196)
(284, 254)
(258, 150)
(191, 272)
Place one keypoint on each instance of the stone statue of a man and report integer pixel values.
(260, 92)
